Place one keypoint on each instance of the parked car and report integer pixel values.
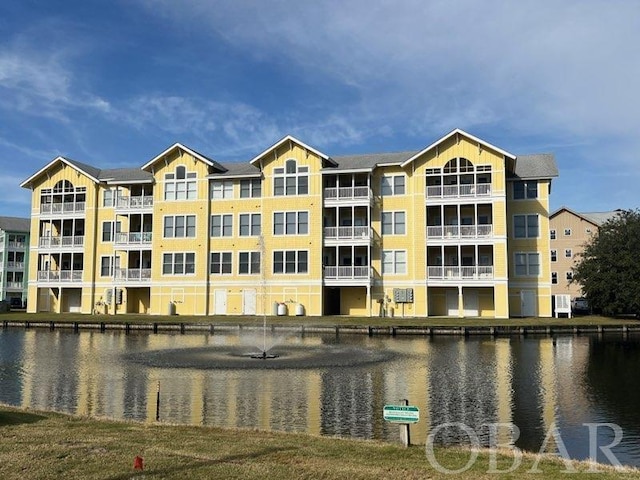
(15, 302)
(580, 305)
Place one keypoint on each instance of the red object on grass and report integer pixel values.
(138, 463)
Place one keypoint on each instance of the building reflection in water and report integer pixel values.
(534, 383)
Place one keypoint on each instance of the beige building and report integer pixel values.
(569, 231)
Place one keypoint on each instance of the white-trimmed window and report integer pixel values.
(552, 234)
(291, 223)
(525, 189)
(250, 224)
(248, 263)
(554, 255)
(393, 223)
(222, 225)
(394, 262)
(568, 253)
(569, 276)
(179, 263)
(179, 226)
(525, 226)
(220, 263)
(108, 232)
(251, 188)
(554, 278)
(527, 264)
(290, 261)
(291, 179)
(108, 198)
(106, 265)
(180, 184)
(222, 189)
(567, 232)
(392, 185)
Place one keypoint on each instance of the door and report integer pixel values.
(452, 303)
(220, 299)
(248, 302)
(528, 303)
(74, 300)
(470, 300)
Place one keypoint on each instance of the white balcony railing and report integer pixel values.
(62, 208)
(17, 245)
(61, 242)
(452, 191)
(347, 272)
(347, 193)
(60, 275)
(459, 231)
(133, 238)
(347, 233)
(14, 286)
(15, 265)
(453, 272)
(136, 202)
(133, 274)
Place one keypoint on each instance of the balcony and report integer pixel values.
(61, 242)
(136, 203)
(19, 266)
(459, 231)
(133, 275)
(14, 286)
(59, 276)
(456, 272)
(62, 209)
(16, 245)
(133, 239)
(459, 191)
(348, 235)
(347, 275)
(348, 195)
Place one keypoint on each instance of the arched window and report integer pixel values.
(180, 185)
(291, 180)
(63, 186)
(181, 172)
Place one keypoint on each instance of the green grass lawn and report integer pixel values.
(39, 445)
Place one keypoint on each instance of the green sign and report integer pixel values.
(401, 413)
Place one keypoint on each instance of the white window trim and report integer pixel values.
(222, 235)
(251, 215)
(526, 254)
(250, 253)
(393, 213)
(526, 225)
(221, 253)
(195, 231)
(284, 262)
(284, 229)
(301, 171)
(252, 188)
(173, 263)
(526, 196)
(393, 184)
(395, 262)
(225, 189)
(189, 177)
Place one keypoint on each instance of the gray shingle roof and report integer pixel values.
(601, 217)
(368, 161)
(540, 165)
(15, 224)
(93, 171)
(125, 175)
(238, 169)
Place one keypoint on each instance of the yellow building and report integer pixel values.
(455, 229)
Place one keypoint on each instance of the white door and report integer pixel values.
(220, 299)
(528, 303)
(470, 300)
(74, 301)
(452, 303)
(248, 302)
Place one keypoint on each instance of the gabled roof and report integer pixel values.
(595, 218)
(176, 146)
(457, 131)
(368, 162)
(15, 224)
(238, 170)
(83, 168)
(290, 138)
(540, 165)
(125, 175)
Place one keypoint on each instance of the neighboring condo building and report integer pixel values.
(458, 228)
(14, 258)
(569, 231)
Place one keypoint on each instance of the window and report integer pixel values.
(552, 234)
(249, 224)
(222, 225)
(525, 190)
(222, 189)
(290, 261)
(178, 263)
(108, 199)
(249, 263)
(180, 185)
(569, 276)
(525, 226)
(392, 185)
(291, 223)
(220, 263)
(567, 232)
(554, 278)
(108, 233)
(394, 262)
(568, 253)
(291, 180)
(180, 226)
(106, 266)
(527, 264)
(251, 188)
(554, 255)
(393, 223)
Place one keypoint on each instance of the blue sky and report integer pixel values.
(113, 83)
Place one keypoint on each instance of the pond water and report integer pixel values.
(338, 385)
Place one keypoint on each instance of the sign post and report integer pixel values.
(404, 415)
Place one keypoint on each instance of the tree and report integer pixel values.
(609, 267)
